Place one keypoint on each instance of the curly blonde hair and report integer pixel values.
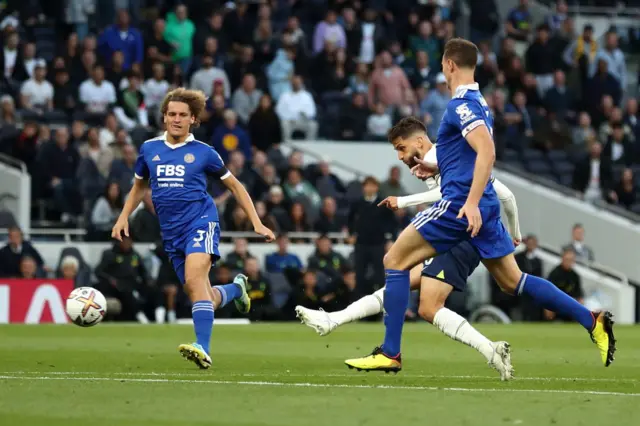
(195, 99)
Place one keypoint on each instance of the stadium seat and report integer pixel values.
(563, 168)
(529, 155)
(636, 208)
(566, 179)
(538, 167)
(557, 156)
(511, 156)
(7, 219)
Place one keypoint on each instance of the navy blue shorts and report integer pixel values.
(202, 237)
(454, 266)
(440, 227)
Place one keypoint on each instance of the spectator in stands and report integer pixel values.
(327, 260)
(329, 31)
(308, 292)
(154, 90)
(58, 162)
(484, 20)
(353, 119)
(279, 72)
(144, 223)
(25, 146)
(619, 148)
(522, 124)
(566, 279)
(96, 94)
(359, 80)
(425, 45)
(8, 114)
(36, 94)
(537, 59)
(17, 248)
(613, 56)
(606, 128)
(121, 37)
(388, 83)
(584, 134)
(157, 48)
(122, 275)
(582, 251)
(296, 187)
(518, 24)
(179, 33)
(282, 259)
(65, 96)
(204, 78)
(593, 175)
(297, 111)
(556, 18)
(28, 268)
(105, 212)
(328, 220)
(631, 117)
(77, 15)
(370, 226)
(264, 125)
(246, 98)
(240, 254)
(259, 290)
(625, 192)
(326, 182)
(379, 123)
(299, 221)
(11, 62)
(434, 105)
(131, 110)
(599, 87)
(392, 187)
(559, 99)
(581, 53)
(278, 207)
(69, 267)
(229, 137)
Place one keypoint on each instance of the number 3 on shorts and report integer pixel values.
(199, 238)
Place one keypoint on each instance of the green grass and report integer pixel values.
(283, 374)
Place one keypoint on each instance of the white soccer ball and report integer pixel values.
(86, 306)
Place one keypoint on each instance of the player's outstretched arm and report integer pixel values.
(133, 199)
(508, 201)
(238, 190)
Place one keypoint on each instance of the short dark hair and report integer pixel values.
(405, 128)
(370, 180)
(462, 52)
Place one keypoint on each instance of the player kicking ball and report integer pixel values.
(175, 167)
(469, 211)
(452, 268)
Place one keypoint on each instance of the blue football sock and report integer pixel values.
(550, 297)
(396, 301)
(202, 313)
(229, 293)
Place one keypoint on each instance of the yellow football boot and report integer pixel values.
(377, 361)
(602, 336)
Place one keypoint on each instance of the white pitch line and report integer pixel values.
(319, 385)
(280, 375)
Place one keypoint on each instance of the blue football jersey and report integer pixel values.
(177, 177)
(456, 158)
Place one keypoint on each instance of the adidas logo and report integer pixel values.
(197, 244)
(156, 158)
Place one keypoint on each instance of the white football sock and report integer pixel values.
(365, 307)
(171, 316)
(142, 318)
(160, 312)
(458, 328)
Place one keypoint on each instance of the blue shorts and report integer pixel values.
(440, 227)
(454, 266)
(201, 237)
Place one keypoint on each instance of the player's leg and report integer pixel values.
(544, 293)
(235, 291)
(325, 322)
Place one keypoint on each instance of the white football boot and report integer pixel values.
(320, 320)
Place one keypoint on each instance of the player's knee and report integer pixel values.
(171, 291)
(427, 311)
(509, 283)
(391, 261)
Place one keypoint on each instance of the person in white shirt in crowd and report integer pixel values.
(36, 94)
(29, 59)
(379, 123)
(154, 90)
(297, 111)
(204, 78)
(584, 253)
(246, 98)
(12, 68)
(97, 94)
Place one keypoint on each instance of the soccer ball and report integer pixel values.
(86, 306)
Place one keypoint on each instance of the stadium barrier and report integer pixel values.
(601, 290)
(15, 190)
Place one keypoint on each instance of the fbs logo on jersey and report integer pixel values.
(464, 113)
(170, 170)
(170, 176)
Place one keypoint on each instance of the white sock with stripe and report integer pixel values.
(365, 307)
(458, 328)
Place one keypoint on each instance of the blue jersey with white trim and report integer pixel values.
(466, 111)
(177, 175)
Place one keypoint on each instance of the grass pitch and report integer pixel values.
(284, 374)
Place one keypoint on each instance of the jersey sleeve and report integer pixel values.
(215, 166)
(465, 114)
(141, 169)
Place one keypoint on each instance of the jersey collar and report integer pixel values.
(463, 87)
(190, 138)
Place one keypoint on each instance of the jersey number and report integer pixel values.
(200, 236)
(169, 170)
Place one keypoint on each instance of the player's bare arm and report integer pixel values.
(482, 143)
(139, 188)
(240, 193)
